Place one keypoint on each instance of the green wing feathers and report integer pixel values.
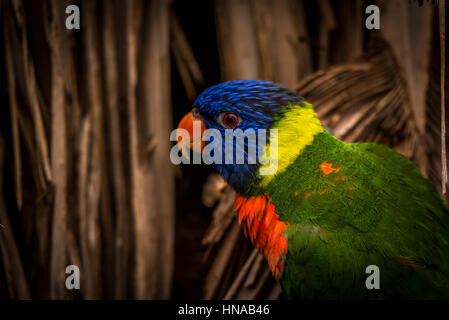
(353, 205)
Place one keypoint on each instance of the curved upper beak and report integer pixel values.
(195, 128)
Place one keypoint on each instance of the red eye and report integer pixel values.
(230, 120)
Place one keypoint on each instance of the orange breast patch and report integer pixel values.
(261, 224)
(326, 168)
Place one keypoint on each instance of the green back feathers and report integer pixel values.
(353, 205)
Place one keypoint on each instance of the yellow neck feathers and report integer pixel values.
(295, 130)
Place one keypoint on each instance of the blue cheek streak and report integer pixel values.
(239, 176)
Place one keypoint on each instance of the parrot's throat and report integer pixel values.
(260, 223)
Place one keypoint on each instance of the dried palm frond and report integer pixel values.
(421, 2)
(87, 143)
(365, 100)
(433, 110)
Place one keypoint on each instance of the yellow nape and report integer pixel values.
(295, 130)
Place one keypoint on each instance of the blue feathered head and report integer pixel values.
(242, 104)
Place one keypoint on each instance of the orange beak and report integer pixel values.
(195, 128)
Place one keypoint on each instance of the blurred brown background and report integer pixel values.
(85, 176)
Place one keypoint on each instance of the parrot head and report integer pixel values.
(242, 104)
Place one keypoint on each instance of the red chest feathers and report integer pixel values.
(261, 224)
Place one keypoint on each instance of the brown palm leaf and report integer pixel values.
(365, 100)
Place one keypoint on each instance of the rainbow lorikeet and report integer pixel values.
(332, 208)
